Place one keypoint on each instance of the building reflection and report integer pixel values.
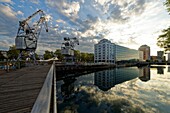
(144, 73)
(109, 78)
(168, 69)
(160, 70)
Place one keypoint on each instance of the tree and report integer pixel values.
(163, 40)
(13, 52)
(90, 57)
(87, 57)
(167, 4)
(77, 55)
(36, 56)
(48, 55)
(58, 54)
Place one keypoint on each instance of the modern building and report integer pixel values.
(160, 56)
(146, 52)
(104, 51)
(141, 56)
(125, 54)
(108, 52)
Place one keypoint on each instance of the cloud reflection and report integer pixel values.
(133, 96)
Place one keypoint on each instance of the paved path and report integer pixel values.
(19, 89)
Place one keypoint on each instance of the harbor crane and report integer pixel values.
(67, 48)
(27, 35)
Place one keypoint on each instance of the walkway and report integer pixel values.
(19, 89)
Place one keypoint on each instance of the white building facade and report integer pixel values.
(108, 52)
(104, 51)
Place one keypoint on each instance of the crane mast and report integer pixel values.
(27, 35)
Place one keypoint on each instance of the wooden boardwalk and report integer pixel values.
(19, 89)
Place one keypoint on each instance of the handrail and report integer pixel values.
(55, 93)
(43, 101)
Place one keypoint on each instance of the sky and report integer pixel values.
(130, 23)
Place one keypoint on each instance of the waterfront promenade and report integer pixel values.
(19, 88)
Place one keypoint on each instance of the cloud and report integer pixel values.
(20, 13)
(60, 21)
(35, 1)
(8, 26)
(90, 20)
(7, 1)
(67, 8)
(4, 44)
(8, 21)
(48, 18)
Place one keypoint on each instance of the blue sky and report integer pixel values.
(129, 23)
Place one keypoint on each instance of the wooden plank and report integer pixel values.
(19, 89)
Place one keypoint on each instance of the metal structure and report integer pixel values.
(67, 48)
(27, 35)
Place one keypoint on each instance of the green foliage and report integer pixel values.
(58, 54)
(13, 52)
(87, 57)
(163, 40)
(79, 57)
(36, 56)
(48, 55)
(167, 4)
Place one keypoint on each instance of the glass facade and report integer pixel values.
(124, 53)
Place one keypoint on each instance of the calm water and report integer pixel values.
(126, 90)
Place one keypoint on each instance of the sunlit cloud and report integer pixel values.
(128, 23)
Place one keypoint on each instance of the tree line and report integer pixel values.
(79, 56)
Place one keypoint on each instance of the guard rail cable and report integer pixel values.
(47, 93)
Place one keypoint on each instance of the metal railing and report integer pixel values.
(47, 93)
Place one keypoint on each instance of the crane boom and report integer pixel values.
(34, 15)
(23, 25)
(28, 35)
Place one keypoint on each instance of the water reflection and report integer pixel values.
(160, 70)
(140, 90)
(168, 69)
(104, 80)
(109, 78)
(67, 89)
(144, 73)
